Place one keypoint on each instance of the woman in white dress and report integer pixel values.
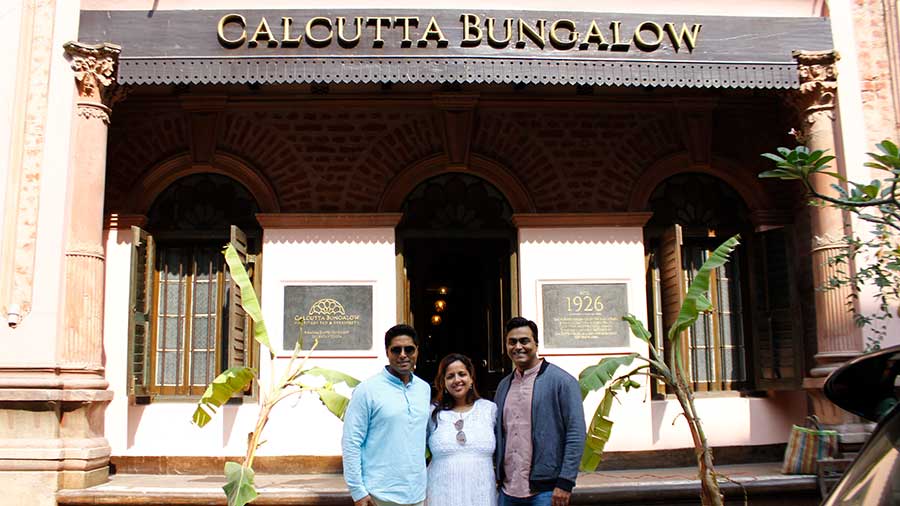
(461, 439)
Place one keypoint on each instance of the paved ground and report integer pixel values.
(764, 484)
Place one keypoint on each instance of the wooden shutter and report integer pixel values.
(236, 325)
(672, 283)
(140, 321)
(777, 325)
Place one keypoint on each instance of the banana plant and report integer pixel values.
(603, 375)
(239, 488)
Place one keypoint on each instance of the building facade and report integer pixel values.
(445, 167)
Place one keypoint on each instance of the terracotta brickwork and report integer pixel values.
(568, 158)
(330, 161)
(138, 140)
(576, 160)
(870, 25)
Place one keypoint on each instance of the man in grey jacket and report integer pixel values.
(540, 426)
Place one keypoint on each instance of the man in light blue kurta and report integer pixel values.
(384, 429)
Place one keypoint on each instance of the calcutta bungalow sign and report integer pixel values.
(420, 32)
(442, 46)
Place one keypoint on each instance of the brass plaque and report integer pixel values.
(340, 317)
(585, 315)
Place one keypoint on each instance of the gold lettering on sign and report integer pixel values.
(564, 24)
(471, 31)
(343, 40)
(220, 31)
(594, 36)
(405, 22)
(328, 313)
(378, 41)
(433, 32)
(494, 41)
(314, 41)
(645, 45)
(559, 34)
(688, 37)
(537, 33)
(263, 32)
(617, 44)
(286, 40)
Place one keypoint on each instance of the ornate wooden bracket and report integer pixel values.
(203, 117)
(458, 119)
(695, 119)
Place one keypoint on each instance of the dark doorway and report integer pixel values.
(458, 246)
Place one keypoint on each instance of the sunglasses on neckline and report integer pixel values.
(409, 350)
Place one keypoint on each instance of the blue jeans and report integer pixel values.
(540, 499)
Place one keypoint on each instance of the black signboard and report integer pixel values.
(585, 315)
(340, 317)
(425, 45)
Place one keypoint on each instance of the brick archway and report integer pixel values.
(502, 178)
(157, 179)
(745, 183)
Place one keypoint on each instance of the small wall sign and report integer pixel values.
(584, 315)
(340, 317)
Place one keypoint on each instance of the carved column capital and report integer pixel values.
(95, 70)
(817, 71)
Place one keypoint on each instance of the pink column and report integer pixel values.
(837, 336)
(80, 355)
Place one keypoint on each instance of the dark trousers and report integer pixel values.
(539, 499)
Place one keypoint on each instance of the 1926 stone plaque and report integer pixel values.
(340, 317)
(585, 315)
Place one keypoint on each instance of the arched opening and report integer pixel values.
(194, 329)
(457, 242)
(751, 338)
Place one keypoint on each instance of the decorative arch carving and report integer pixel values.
(157, 179)
(747, 185)
(491, 171)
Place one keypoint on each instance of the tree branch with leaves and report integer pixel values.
(876, 254)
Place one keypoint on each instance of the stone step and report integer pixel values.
(763, 484)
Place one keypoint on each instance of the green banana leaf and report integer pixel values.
(696, 301)
(331, 376)
(221, 389)
(239, 488)
(637, 328)
(249, 301)
(597, 376)
(598, 433)
(335, 402)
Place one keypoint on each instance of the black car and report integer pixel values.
(868, 387)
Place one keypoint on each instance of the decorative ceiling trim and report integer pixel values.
(275, 70)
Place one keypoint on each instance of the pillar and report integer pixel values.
(837, 336)
(80, 346)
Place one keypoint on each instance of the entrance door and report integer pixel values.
(457, 243)
(459, 302)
